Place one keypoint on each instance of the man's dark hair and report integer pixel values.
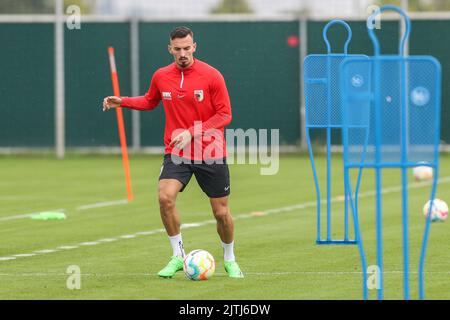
(181, 32)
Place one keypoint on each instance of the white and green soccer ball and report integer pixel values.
(199, 265)
(439, 210)
(422, 173)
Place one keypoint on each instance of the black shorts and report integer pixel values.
(213, 179)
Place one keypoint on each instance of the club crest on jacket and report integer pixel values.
(198, 95)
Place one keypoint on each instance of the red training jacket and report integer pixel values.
(194, 95)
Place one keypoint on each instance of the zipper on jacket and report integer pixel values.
(182, 79)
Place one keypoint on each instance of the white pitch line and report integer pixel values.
(102, 204)
(238, 217)
(223, 274)
(196, 224)
(80, 208)
(414, 185)
(27, 215)
(24, 255)
(128, 236)
(67, 247)
(107, 240)
(92, 243)
(44, 251)
(145, 233)
(7, 258)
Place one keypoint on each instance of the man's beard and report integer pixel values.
(183, 63)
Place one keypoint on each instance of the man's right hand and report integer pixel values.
(111, 102)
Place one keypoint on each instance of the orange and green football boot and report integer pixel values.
(233, 270)
(175, 264)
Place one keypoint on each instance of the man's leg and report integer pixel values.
(225, 225)
(168, 191)
(225, 229)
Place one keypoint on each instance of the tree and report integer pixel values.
(40, 6)
(25, 6)
(421, 5)
(232, 6)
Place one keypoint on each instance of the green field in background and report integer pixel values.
(276, 249)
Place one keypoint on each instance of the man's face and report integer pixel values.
(182, 50)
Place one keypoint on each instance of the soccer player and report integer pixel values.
(197, 108)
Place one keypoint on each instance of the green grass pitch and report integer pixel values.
(275, 248)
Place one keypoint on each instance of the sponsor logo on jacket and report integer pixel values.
(167, 95)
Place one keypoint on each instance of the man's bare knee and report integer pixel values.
(222, 214)
(220, 209)
(166, 200)
(167, 192)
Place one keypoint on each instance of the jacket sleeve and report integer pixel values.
(146, 102)
(221, 103)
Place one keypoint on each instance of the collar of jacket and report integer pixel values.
(185, 70)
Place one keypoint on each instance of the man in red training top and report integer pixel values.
(197, 108)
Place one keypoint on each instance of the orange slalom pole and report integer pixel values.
(120, 124)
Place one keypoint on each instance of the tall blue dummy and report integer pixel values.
(396, 101)
(324, 113)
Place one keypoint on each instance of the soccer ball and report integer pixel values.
(199, 265)
(439, 210)
(422, 173)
